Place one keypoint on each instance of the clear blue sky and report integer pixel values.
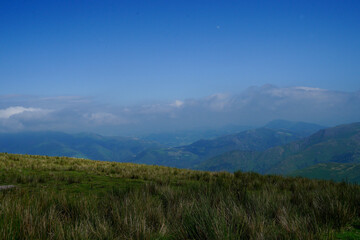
(130, 51)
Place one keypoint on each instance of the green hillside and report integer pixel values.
(67, 198)
(339, 144)
(250, 140)
(349, 172)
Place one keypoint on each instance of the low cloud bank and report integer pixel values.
(254, 107)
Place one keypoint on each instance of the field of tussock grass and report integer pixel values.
(67, 198)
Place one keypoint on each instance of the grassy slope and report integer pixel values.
(332, 171)
(64, 198)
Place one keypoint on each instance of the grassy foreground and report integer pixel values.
(64, 198)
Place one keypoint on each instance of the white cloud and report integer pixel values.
(309, 89)
(11, 111)
(255, 106)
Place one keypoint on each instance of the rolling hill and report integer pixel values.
(84, 145)
(192, 155)
(250, 140)
(339, 144)
(241, 150)
(349, 172)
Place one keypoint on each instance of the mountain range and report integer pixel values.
(191, 155)
(276, 133)
(125, 149)
(280, 147)
(339, 144)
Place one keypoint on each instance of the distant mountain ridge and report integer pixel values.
(264, 150)
(186, 137)
(191, 155)
(302, 128)
(83, 145)
(339, 144)
(249, 140)
(259, 139)
(277, 148)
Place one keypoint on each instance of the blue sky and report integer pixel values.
(113, 63)
(132, 51)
